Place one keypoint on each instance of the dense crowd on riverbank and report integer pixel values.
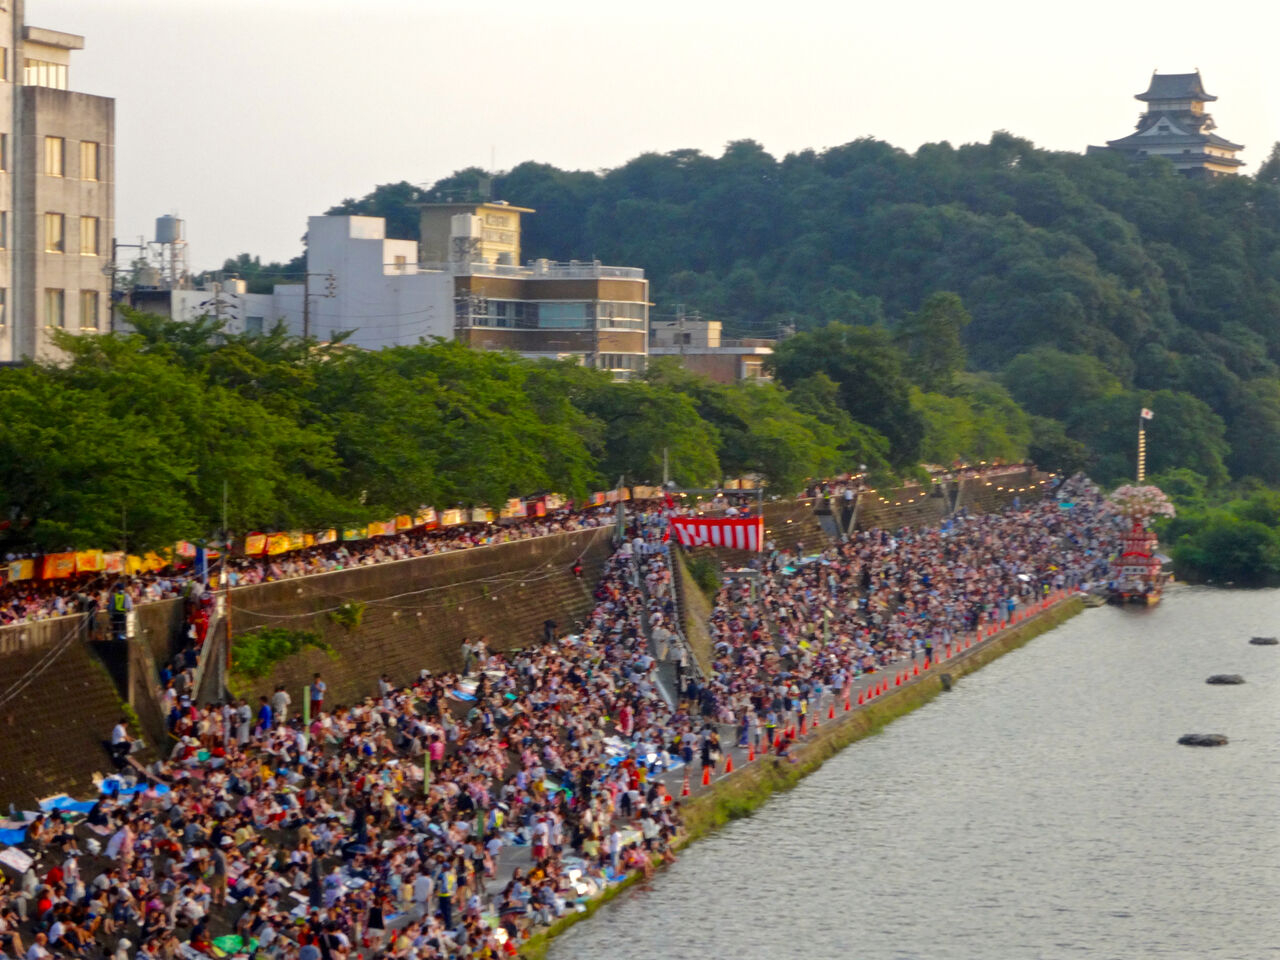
(541, 784)
(807, 625)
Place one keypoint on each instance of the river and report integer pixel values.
(1041, 809)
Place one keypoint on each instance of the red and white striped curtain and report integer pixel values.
(740, 533)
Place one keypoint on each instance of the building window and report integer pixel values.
(88, 309)
(4, 306)
(4, 152)
(55, 240)
(400, 263)
(4, 229)
(55, 314)
(89, 160)
(89, 236)
(4, 63)
(253, 326)
(563, 316)
(44, 73)
(53, 156)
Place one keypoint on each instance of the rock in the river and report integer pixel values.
(1264, 641)
(1225, 678)
(1203, 740)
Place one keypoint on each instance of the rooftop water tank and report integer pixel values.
(168, 229)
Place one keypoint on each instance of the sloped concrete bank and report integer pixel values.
(740, 793)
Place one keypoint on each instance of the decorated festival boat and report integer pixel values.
(1137, 574)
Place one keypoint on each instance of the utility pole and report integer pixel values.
(666, 469)
(226, 580)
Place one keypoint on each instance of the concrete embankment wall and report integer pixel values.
(61, 692)
(417, 612)
(916, 506)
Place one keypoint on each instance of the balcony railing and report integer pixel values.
(537, 269)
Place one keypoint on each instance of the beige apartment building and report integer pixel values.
(57, 197)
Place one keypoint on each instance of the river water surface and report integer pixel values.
(1040, 809)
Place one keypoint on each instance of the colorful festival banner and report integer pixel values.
(739, 533)
(22, 569)
(352, 533)
(255, 543)
(451, 518)
(514, 509)
(404, 522)
(185, 549)
(481, 515)
(89, 561)
(58, 566)
(327, 536)
(426, 517)
(277, 543)
(113, 562)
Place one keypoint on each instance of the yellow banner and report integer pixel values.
(89, 561)
(113, 562)
(353, 533)
(277, 543)
(451, 518)
(404, 522)
(255, 543)
(425, 517)
(22, 569)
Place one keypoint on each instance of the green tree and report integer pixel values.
(931, 338)
(873, 389)
(1050, 383)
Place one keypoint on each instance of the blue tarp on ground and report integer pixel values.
(12, 837)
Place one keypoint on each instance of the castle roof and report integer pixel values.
(1175, 86)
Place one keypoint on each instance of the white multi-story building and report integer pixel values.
(462, 281)
(57, 204)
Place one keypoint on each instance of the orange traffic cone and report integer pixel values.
(860, 701)
(728, 763)
(777, 742)
(751, 753)
(684, 787)
(706, 776)
(846, 703)
(802, 727)
(897, 682)
(831, 712)
(814, 725)
(916, 672)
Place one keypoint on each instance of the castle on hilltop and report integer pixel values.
(1177, 128)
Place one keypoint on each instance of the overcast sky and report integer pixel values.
(246, 116)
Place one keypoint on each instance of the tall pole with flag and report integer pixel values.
(1143, 417)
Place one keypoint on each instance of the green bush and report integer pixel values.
(254, 654)
(705, 570)
(349, 615)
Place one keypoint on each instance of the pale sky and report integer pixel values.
(246, 116)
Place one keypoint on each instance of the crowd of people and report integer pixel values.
(783, 637)
(448, 817)
(36, 599)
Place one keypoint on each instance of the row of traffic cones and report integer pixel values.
(878, 689)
